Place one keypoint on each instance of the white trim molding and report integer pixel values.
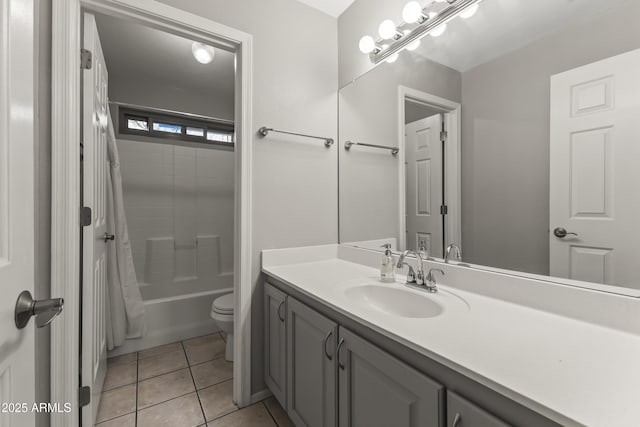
(65, 220)
(453, 122)
(65, 205)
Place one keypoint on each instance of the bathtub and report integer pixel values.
(174, 319)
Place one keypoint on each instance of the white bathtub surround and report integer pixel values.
(568, 353)
(179, 203)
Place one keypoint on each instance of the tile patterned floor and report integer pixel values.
(184, 384)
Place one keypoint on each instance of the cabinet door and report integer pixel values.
(275, 341)
(377, 390)
(311, 368)
(462, 413)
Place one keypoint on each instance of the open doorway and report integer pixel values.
(158, 181)
(180, 138)
(429, 135)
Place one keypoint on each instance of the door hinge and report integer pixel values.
(444, 210)
(443, 136)
(86, 59)
(84, 396)
(85, 216)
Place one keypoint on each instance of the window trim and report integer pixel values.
(183, 120)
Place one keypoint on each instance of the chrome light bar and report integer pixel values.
(456, 7)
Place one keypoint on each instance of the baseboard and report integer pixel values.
(260, 396)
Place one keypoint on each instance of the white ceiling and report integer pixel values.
(133, 51)
(503, 26)
(330, 7)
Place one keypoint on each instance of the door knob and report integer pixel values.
(108, 237)
(45, 310)
(562, 233)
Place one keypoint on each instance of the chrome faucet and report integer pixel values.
(455, 249)
(412, 277)
(431, 280)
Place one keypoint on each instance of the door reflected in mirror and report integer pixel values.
(521, 151)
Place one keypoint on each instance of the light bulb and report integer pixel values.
(387, 29)
(412, 12)
(439, 30)
(468, 13)
(414, 45)
(367, 44)
(203, 53)
(393, 58)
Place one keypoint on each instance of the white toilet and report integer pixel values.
(222, 313)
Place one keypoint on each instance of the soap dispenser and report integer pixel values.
(387, 267)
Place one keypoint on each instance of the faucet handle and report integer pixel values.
(411, 275)
(431, 278)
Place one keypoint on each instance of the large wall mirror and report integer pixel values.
(515, 135)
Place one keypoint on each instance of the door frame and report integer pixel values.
(65, 211)
(453, 117)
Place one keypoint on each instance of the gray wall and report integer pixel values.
(295, 77)
(369, 113)
(43, 196)
(505, 139)
(138, 89)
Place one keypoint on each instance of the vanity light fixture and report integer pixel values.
(203, 53)
(417, 23)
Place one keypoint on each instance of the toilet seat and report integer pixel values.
(223, 305)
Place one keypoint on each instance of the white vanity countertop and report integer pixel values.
(571, 371)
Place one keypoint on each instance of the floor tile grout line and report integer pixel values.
(193, 380)
(210, 360)
(212, 385)
(165, 401)
(115, 418)
(164, 373)
(220, 416)
(269, 412)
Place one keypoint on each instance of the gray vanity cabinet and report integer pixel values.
(462, 413)
(311, 367)
(377, 390)
(275, 339)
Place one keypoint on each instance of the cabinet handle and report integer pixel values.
(280, 315)
(340, 364)
(324, 344)
(456, 420)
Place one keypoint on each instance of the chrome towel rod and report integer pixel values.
(349, 144)
(264, 131)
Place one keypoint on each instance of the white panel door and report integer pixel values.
(95, 167)
(423, 157)
(17, 353)
(595, 149)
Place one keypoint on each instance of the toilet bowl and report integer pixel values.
(222, 313)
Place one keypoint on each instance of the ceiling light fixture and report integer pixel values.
(417, 23)
(203, 53)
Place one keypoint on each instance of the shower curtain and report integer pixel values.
(124, 307)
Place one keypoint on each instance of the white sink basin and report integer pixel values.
(397, 301)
